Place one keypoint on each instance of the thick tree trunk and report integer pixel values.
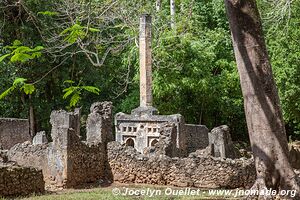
(172, 11)
(261, 101)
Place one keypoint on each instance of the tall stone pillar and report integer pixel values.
(145, 61)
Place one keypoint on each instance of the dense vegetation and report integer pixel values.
(64, 50)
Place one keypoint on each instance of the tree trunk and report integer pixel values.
(158, 5)
(172, 11)
(32, 126)
(261, 101)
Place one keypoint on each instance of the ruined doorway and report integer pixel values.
(130, 142)
(153, 143)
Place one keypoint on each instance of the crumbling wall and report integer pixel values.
(221, 144)
(197, 137)
(86, 163)
(67, 161)
(36, 156)
(166, 144)
(20, 181)
(99, 123)
(129, 166)
(13, 131)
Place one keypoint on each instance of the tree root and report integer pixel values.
(257, 191)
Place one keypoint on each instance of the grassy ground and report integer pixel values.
(107, 193)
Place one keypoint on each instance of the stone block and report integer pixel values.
(64, 120)
(197, 137)
(40, 138)
(99, 123)
(221, 143)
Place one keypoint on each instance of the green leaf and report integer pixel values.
(7, 92)
(74, 33)
(28, 88)
(20, 57)
(19, 81)
(92, 89)
(48, 13)
(4, 56)
(36, 55)
(68, 91)
(69, 81)
(17, 43)
(75, 99)
(94, 30)
(38, 48)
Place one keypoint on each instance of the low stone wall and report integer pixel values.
(66, 167)
(13, 131)
(129, 166)
(28, 155)
(197, 137)
(20, 181)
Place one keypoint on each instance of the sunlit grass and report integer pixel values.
(106, 193)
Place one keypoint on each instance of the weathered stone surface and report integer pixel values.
(28, 155)
(62, 119)
(40, 138)
(145, 61)
(207, 152)
(99, 123)
(129, 166)
(143, 130)
(20, 181)
(166, 144)
(67, 161)
(149, 110)
(221, 143)
(197, 137)
(3, 156)
(13, 131)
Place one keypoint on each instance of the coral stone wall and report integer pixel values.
(129, 166)
(86, 163)
(17, 181)
(64, 164)
(197, 137)
(29, 155)
(13, 131)
(68, 161)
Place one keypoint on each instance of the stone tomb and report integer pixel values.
(141, 129)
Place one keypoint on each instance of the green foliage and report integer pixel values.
(48, 13)
(20, 53)
(283, 44)
(76, 91)
(75, 32)
(194, 70)
(19, 83)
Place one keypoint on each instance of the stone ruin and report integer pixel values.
(16, 180)
(69, 162)
(149, 148)
(141, 129)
